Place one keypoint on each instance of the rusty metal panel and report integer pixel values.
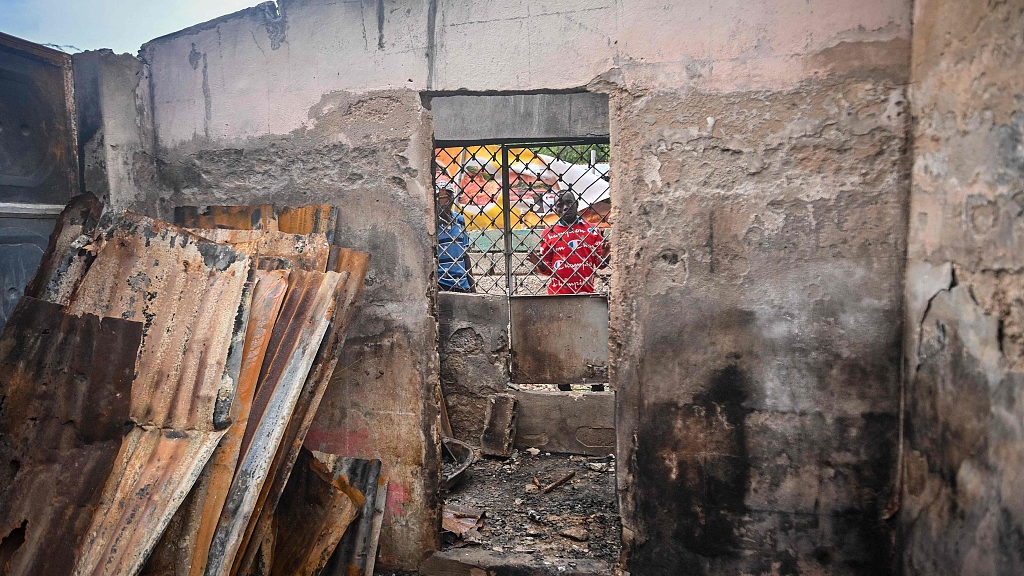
(259, 217)
(54, 281)
(153, 473)
(174, 281)
(559, 339)
(64, 387)
(38, 140)
(353, 266)
(184, 547)
(276, 250)
(356, 552)
(301, 326)
(309, 219)
(191, 295)
(317, 507)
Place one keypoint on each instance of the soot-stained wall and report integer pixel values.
(963, 492)
(760, 243)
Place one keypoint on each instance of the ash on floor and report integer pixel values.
(577, 519)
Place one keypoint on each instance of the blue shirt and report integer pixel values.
(452, 245)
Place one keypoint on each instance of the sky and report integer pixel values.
(121, 25)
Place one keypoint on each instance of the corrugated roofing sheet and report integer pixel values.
(189, 294)
(65, 384)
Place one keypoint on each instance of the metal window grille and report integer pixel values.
(499, 228)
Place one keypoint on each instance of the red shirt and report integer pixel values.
(571, 255)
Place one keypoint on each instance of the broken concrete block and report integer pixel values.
(499, 425)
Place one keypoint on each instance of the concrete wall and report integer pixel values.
(115, 134)
(760, 235)
(759, 150)
(963, 502)
(473, 348)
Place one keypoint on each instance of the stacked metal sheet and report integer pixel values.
(156, 385)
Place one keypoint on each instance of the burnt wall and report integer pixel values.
(756, 332)
(115, 135)
(963, 491)
(473, 349)
(364, 155)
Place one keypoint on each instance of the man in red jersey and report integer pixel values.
(571, 251)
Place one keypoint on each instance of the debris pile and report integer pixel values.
(534, 509)
(156, 385)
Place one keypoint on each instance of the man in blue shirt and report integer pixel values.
(453, 266)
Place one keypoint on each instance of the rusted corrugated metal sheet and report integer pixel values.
(259, 217)
(173, 281)
(353, 266)
(356, 552)
(301, 326)
(190, 294)
(78, 218)
(65, 384)
(309, 219)
(572, 347)
(276, 250)
(317, 507)
(184, 547)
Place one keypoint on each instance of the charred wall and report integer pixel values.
(963, 507)
(759, 158)
(115, 136)
(364, 155)
(756, 333)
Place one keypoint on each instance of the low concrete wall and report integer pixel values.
(473, 347)
(567, 422)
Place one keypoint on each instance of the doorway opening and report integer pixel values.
(524, 270)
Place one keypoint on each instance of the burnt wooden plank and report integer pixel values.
(65, 383)
(499, 425)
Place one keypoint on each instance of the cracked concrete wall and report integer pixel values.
(760, 236)
(963, 502)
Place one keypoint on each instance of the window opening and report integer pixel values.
(524, 219)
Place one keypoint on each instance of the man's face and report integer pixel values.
(566, 206)
(444, 199)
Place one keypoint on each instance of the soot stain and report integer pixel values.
(693, 501)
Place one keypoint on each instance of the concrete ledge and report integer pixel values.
(567, 422)
(532, 116)
(477, 562)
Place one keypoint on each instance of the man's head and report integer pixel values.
(567, 206)
(445, 196)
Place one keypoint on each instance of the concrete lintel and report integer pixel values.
(521, 116)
